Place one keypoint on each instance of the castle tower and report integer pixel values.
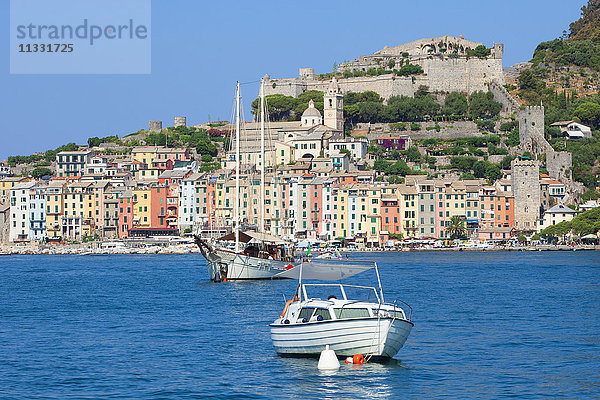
(179, 121)
(311, 116)
(155, 126)
(334, 106)
(526, 189)
(531, 129)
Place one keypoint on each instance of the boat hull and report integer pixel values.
(227, 265)
(381, 338)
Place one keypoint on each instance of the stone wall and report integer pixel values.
(526, 189)
(509, 104)
(558, 164)
(445, 62)
(385, 85)
(448, 75)
(155, 126)
(452, 130)
(179, 121)
(531, 130)
(532, 137)
(461, 74)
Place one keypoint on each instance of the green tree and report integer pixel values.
(479, 169)
(492, 172)
(40, 172)
(483, 105)
(376, 149)
(587, 222)
(455, 104)
(590, 195)
(456, 228)
(480, 51)
(422, 90)
(463, 163)
(527, 80)
(589, 113)
(413, 154)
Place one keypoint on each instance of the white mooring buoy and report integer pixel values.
(328, 360)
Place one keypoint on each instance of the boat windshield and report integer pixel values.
(305, 314)
(323, 313)
(343, 313)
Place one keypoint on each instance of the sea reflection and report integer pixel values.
(370, 380)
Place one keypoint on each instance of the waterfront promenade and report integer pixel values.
(97, 248)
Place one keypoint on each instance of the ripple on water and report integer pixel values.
(487, 325)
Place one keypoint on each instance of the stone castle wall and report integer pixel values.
(448, 72)
(558, 164)
(385, 85)
(509, 104)
(460, 74)
(448, 75)
(533, 139)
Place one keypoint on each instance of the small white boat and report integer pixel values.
(370, 327)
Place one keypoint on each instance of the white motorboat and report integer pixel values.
(370, 327)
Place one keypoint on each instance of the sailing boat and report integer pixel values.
(255, 255)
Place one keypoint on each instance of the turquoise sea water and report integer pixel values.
(487, 325)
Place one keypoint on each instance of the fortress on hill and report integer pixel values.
(446, 64)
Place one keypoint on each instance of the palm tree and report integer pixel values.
(456, 228)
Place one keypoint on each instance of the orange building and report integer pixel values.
(497, 208)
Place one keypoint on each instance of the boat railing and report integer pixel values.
(406, 304)
(341, 287)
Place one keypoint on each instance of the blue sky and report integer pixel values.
(199, 50)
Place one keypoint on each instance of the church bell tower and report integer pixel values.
(334, 106)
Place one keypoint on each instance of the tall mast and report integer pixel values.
(237, 166)
(262, 155)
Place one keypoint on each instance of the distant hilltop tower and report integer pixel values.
(525, 183)
(334, 106)
(180, 121)
(155, 126)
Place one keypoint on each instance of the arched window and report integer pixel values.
(330, 103)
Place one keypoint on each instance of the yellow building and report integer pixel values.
(142, 201)
(407, 196)
(78, 217)
(340, 208)
(7, 183)
(373, 218)
(284, 153)
(54, 209)
(142, 174)
(144, 154)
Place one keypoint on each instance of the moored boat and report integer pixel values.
(370, 327)
(247, 255)
(263, 257)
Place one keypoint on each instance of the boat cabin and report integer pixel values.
(319, 310)
(262, 245)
